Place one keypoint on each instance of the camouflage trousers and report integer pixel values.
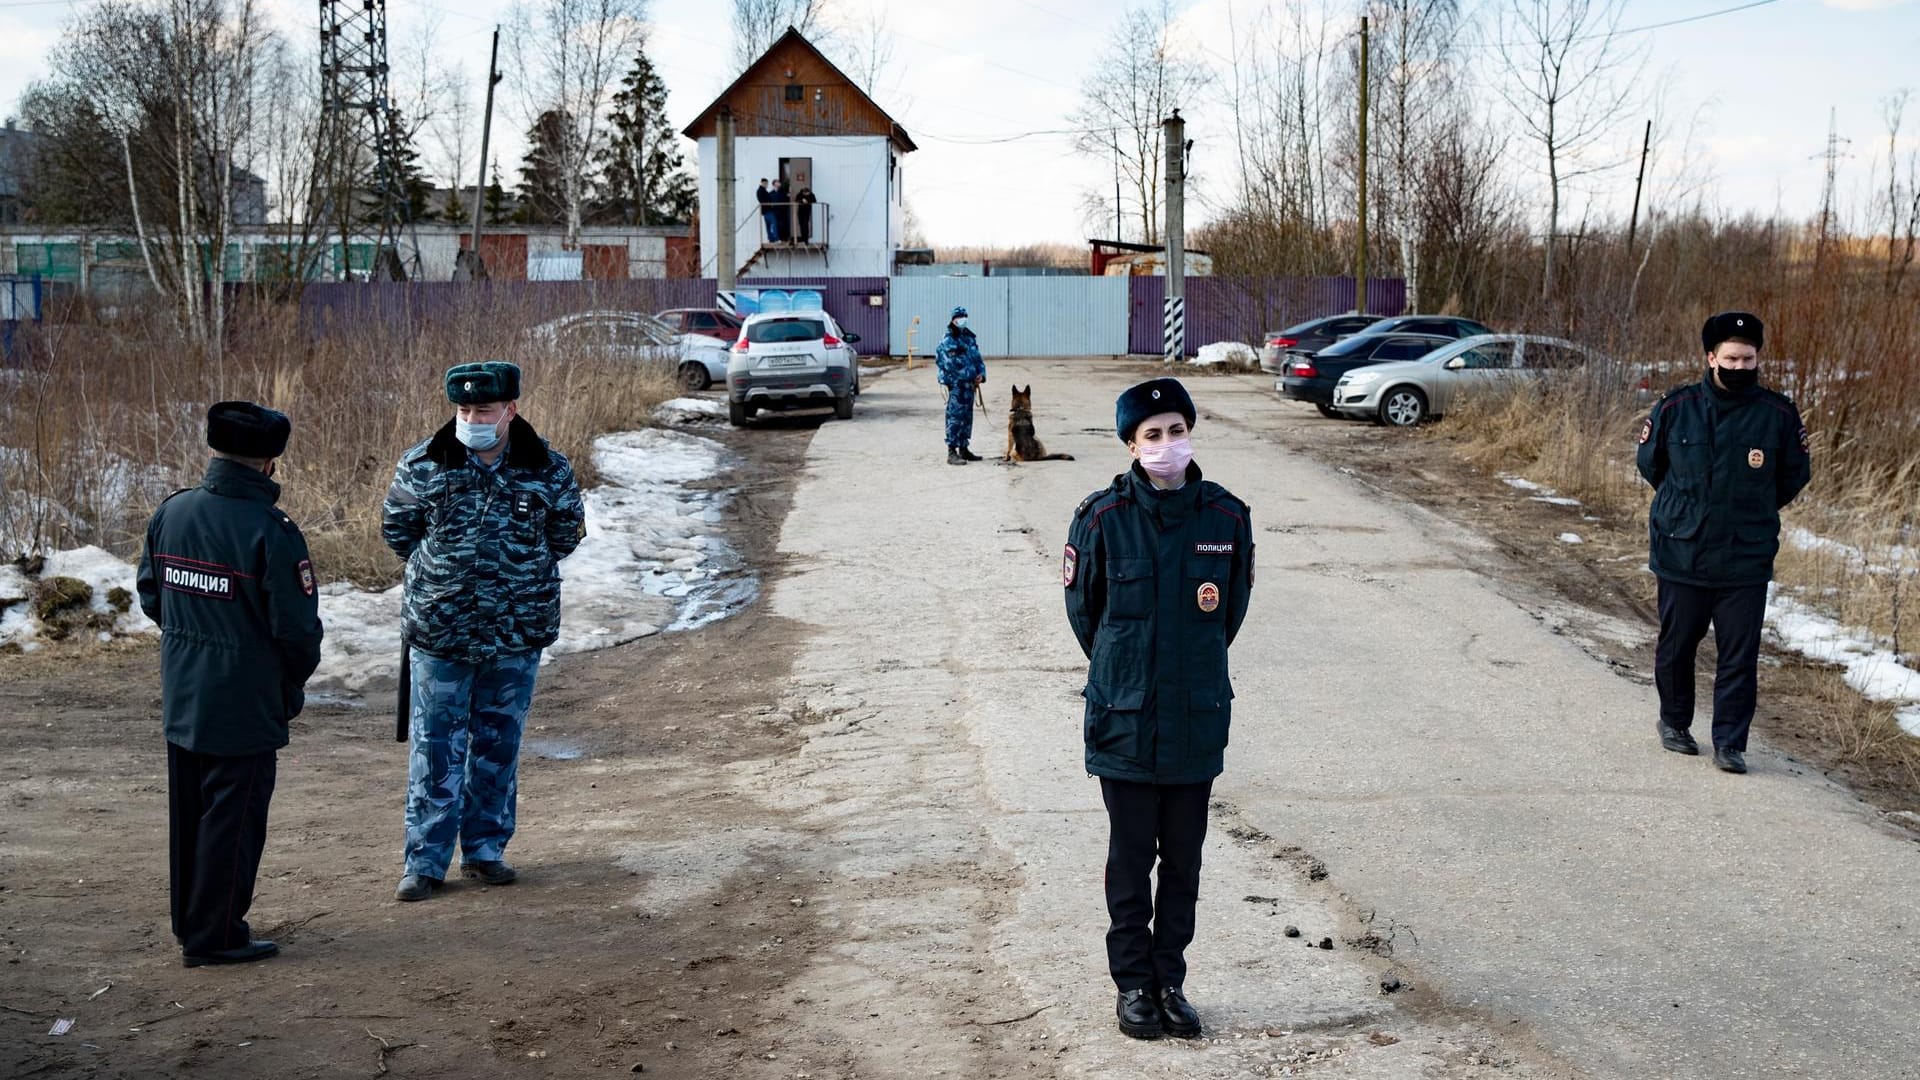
(960, 414)
(463, 774)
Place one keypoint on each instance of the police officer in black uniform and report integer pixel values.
(1724, 456)
(1158, 569)
(227, 577)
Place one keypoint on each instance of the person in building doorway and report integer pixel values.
(769, 213)
(961, 370)
(803, 201)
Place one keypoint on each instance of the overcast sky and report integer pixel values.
(1761, 82)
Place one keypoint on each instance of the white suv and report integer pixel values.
(792, 360)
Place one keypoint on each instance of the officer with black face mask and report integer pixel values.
(1724, 456)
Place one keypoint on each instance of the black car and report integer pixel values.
(1312, 378)
(1309, 337)
(1447, 326)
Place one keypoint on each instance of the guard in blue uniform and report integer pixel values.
(961, 370)
(1158, 570)
(1724, 456)
(227, 577)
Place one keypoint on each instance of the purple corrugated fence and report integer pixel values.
(1242, 309)
(324, 305)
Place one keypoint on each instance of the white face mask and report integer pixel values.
(961, 322)
(477, 436)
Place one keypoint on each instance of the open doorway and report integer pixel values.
(797, 172)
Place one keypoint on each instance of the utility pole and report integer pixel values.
(470, 266)
(1174, 337)
(1360, 260)
(1115, 140)
(725, 228)
(1633, 223)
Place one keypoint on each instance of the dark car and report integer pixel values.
(1312, 378)
(1447, 326)
(707, 322)
(1309, 337)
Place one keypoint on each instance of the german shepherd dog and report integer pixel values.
(1022, 443)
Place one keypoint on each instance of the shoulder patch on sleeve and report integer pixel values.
(1070, 567)
(1806, 441)
(1646, 430)
(307, 582)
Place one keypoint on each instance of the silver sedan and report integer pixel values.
(1405, 393)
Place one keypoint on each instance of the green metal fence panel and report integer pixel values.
(52, 262)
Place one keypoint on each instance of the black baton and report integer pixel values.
(403, 706)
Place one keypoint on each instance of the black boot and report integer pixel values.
(495, 872)
(1676, 740)
(967, 453)
(1139, 1014)
(251, 951)
(1178, 1016)
(953, 456)
(1732, 761)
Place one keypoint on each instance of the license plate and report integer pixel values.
(789, 361)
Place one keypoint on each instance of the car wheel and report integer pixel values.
(1403, 406)
(1327, 411)
(843, 408)
(694, 376)
(737, 413)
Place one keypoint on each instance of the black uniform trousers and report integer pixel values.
(1145, 820)
(1737, 615)
(217, 827)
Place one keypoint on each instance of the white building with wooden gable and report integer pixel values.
(797, 118)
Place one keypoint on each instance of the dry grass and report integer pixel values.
(1853, 731)
(112, 417)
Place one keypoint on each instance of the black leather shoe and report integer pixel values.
(1139, 1014)
(1178, 1016)
(416, 887)
(1676, 740)
(969, 454)
(252, 950)
(953, 456)
(1732, 761)
(496, 872)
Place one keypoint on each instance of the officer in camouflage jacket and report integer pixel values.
(482, 512)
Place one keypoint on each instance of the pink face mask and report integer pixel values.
(1167, 460)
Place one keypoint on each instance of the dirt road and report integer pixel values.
(847, 833)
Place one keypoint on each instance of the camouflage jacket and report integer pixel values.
(958, 358)
(482, 545)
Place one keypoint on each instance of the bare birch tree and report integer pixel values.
(757, 24)
(568, 54)
(1570, 77)
(1144, 74)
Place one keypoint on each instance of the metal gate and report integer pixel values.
(1013, 316)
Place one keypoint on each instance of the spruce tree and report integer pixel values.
(542, 185)
(643, 180)
(499, 210)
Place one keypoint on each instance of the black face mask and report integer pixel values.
(1738, 380)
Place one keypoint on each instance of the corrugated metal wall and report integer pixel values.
(1019, 316)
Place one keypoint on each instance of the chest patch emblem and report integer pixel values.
(1756, 458)
(1069, 567)
(1209, 598)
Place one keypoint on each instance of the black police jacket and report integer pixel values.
(227, 577)
(1157, 585)
(1722, 466)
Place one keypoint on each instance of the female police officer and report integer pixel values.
(1157, 571)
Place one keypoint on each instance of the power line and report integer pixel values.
(1629, 30)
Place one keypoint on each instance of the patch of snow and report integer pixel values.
(100, 569)
(1898, 556)
(1542, 493)
(690, 411)
(1872, 670)
(1226, 352)
(1571, 538)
